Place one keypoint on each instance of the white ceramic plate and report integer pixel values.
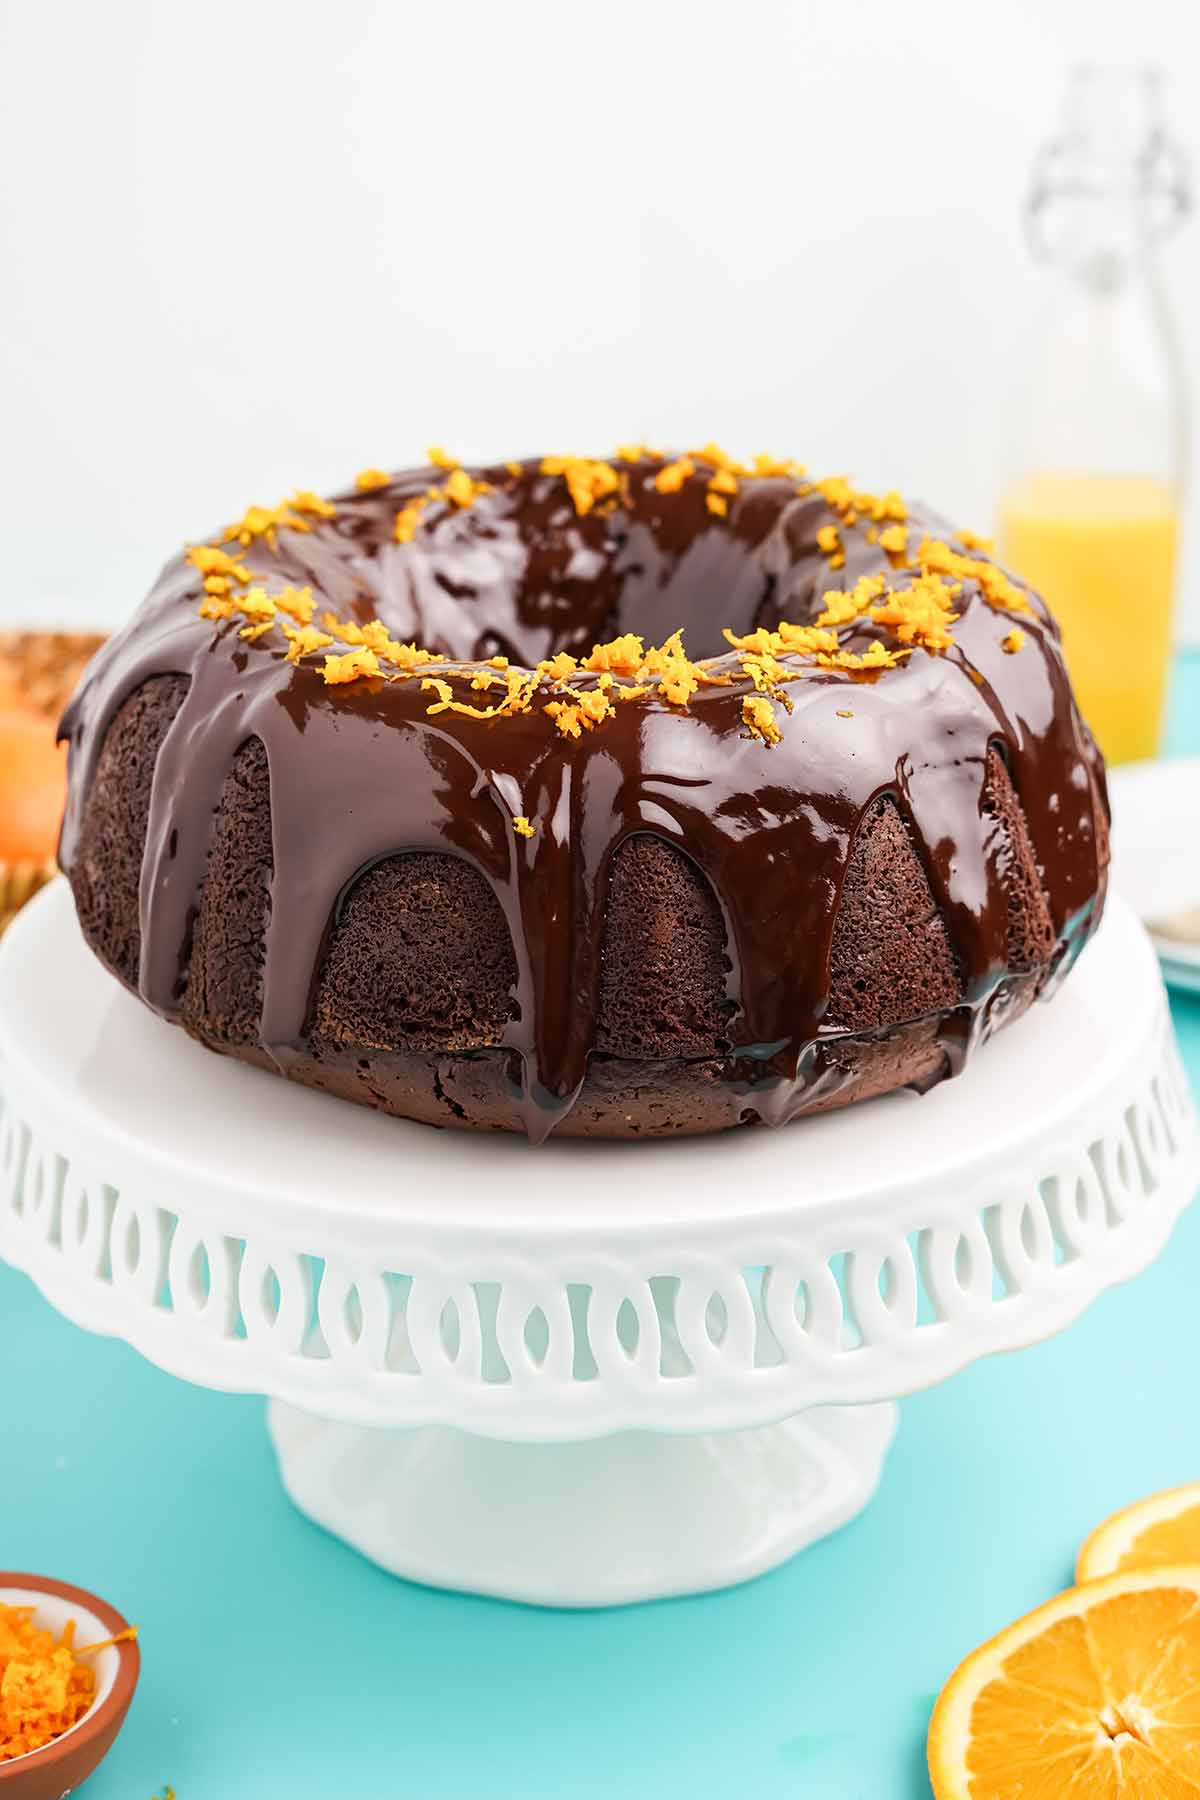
(1156, 852)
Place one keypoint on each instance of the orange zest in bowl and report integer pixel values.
(44, 1688)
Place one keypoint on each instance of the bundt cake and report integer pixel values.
(606, 798)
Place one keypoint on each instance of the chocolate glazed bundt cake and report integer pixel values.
(620, 799)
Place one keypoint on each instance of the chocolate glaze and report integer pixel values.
(360, 772)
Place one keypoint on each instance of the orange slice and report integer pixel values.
(1095, 1695)
(1163, 1529)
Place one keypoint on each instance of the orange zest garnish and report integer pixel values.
(350, 666)
(759, 717)
(889, 619)
(842, 605)
(459, 490)
(588, 482)
(937, 558)
(920, 614)
(829, 543)
(671, 476)
(266, 522)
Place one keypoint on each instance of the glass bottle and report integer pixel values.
(1092, 516)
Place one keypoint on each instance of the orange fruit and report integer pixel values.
(1096, 1695)
(1163, 1529)
(33, 783)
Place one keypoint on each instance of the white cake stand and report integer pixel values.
(589, 1373)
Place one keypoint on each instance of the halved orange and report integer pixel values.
(1095, 1696)
(1149, 1535)
(33, 784)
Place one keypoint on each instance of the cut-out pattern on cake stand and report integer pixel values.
(593, 1372)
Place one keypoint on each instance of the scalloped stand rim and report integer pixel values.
(670, 1385)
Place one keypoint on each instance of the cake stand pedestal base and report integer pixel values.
(639, 1515)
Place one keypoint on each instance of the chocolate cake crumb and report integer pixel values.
(223, 993)
(106, 872)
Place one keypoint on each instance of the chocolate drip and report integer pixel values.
(361, 772)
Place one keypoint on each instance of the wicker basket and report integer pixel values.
(43, 667)
(19, 881)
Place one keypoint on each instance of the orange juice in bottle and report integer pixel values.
(1101, 549)
(1091, 518)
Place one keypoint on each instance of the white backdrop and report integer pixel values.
(252, 244)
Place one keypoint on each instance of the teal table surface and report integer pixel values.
(278, 1665)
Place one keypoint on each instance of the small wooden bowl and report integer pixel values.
(65, 1764)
